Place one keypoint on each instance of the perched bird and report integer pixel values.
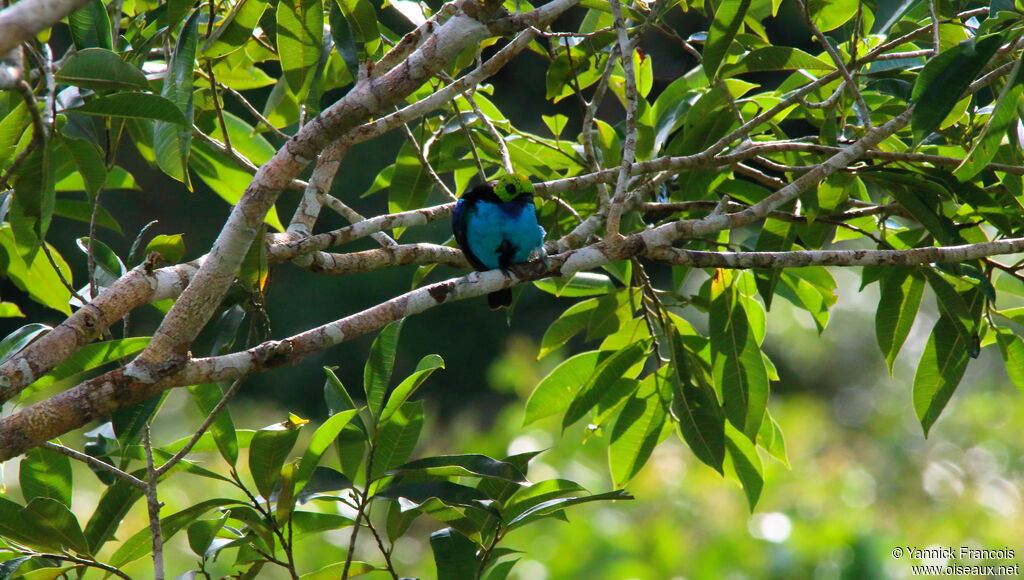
(495, 224)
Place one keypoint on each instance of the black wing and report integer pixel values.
(460, 219)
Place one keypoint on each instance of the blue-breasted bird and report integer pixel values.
(495, 225)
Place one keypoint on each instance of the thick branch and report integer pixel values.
(21, 21)
(778, 260)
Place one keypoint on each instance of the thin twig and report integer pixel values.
(629, 146)
(228, 395)
(862, 108)
(153, 505)
(96, 463)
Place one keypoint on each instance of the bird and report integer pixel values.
(495, 225)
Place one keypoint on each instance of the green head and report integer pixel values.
(511, 186)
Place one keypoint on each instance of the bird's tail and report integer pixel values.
(500, 299)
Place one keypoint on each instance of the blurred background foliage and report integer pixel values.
(863, 479)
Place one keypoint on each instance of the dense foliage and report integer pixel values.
(677, 212)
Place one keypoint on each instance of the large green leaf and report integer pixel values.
(426, 367)
(110, 511)
(134, 106)
(101, 69)
(1012, 348)
(172, 142)
(54, 519)
(729, 17)
(746, 463)
(738, 368)
(362, 21)
(45, 473)
(34, 196)
(36, 275)
(599, 386)
(322, 438)
(555, 392)
(206, 397)
(772, 58)
(397, 437)
(268, 451)
(695, 406)
(377, 372)
(942, 365)
(901, 292)
(554, 505)
(454, 555)
(235, 30)
(300, 31)
(90, 27)
(472, 465)
(89, 357)
(224, 177)
(637, 430)
(944, 79)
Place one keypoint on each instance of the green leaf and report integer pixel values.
(335, 571)
(580, 284)
(12, 127)
(901, 292)
(51, 517)
(729, 17)
(569, 324)
(410, 184)
(14, 525)
(942, 365)
(36, 275)
(454, 555)
(637, 431)
(397, 437)
(139, 544)
(472, 465)
(300, 31)
(406, 388)
(170, 248)
(944, 79)
(776, 236)
(597, 387)
(554, 505)
(100, 69)
(738, 369)
(89, 357)
(9, 567)
(34, 195)
(171, 142)
(134, 106)
(110, 511)
(831, 14)
(14, 342)
(746, 463)
(89, 161)
(773, 58)
(90, 27)
(377, 372)
(268, 452)
(449, 493)
(362, 20)
(206, 397)
(695, 406)
(1012, 348)
(45, 473)
(225, 178)
(235, 30)
(1004, 116)
(10, 310)
(555, 392)
(322, 438)
(527, 497)
(201, 534)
